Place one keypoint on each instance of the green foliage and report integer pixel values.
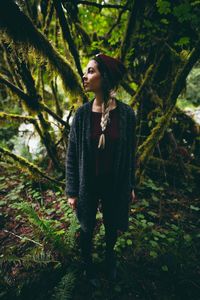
(192, 93)
(164, 7)
(146, 237)
(163, 242)
(47, 227)
(183, 41)
(39, 229)
(183, 12)
(7, 131)
(64, 289)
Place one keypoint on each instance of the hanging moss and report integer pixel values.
(21, 29)
(33, 101)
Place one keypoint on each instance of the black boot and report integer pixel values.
(90, 273)
(110, 256)
(89, 270)
(111, 265)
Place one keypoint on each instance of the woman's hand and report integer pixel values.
(72, 202)
(133, 197)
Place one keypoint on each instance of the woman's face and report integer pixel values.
(92, 77)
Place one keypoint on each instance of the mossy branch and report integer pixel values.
(14, 117)
(26, 98)
(30, 167)
(182, 75)
(45, 125)
(10, 63)
(137, 7)
(23, 30)
(67, 35)
(147, 148)
(85, 36)
(144, 83)
(100, 6)
(19, 118)
(15, 89)
(48, 19)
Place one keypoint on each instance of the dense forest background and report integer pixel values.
(44, 48)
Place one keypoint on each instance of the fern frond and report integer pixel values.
(64, 289)
(47, 227)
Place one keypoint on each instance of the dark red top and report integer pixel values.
(102, 159)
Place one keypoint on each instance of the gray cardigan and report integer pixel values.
(78, 158)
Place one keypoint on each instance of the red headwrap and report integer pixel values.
(113, 67)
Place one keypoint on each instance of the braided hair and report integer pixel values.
(111, 71)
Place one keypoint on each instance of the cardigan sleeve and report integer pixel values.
(133, 180)
(71, 163)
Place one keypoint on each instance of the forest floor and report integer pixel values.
(158, 258)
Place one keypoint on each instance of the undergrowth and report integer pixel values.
(158, 257)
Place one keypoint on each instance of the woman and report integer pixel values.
(100, 161)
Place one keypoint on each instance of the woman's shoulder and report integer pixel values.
(80, 110)
(83, 107)
(126, 107)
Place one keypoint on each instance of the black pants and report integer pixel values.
(101, 192)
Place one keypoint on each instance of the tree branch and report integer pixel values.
(147, 148)
(182, 75)
(27, 98)
(22, 30)
(15, 89)
(145, 81)
(130, 29)
(101, 5)
(116, 23)
(67, 35)
(31, 168)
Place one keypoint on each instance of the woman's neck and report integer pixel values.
(98, 100)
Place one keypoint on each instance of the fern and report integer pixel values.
(47, 227)
(69, 237)
(64, 289)
(35, 256)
